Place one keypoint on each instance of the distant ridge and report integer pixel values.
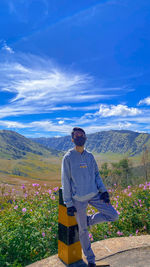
(114, 141)
(15, 146)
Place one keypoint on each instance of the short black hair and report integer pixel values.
(76, 129)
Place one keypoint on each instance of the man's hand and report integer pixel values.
(105, 197)
(71, 211)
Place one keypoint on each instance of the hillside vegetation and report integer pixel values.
(122, 142)
(16, 146)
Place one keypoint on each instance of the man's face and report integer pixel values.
(78, 134)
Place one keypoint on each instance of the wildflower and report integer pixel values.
(24, 210)
(16, 207)
(137, 231)
(119, 233)
(30, 209)
(55, 189)
(90, 236)
(43, 234)
(53, 197)
(25, 194)
(129, 186)
(49, 191)
(23, 186)
(130, 194)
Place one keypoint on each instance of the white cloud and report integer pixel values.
(7, 48)
(119, 110)
(60, 122)
(145, 101)
(12, 124)
(38, 86)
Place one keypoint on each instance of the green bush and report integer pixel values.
(29, 223)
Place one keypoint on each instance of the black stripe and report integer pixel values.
(68, 235)
(61, 202)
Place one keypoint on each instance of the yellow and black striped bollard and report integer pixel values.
(69, 247)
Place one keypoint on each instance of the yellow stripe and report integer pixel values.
(69, 254)
(64, 219)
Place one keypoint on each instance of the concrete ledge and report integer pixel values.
(102, 250)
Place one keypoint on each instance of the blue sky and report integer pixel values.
(74, 63)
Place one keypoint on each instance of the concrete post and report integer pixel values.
(69, 247)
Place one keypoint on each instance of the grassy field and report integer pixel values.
(35, 168)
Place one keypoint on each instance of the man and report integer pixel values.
(82, 185)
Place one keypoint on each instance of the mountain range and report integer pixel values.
(114, 141)
(14, 145)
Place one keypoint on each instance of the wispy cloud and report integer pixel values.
(5, 47)
(38, 85)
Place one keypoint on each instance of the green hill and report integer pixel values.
(16, 146)
(114, 141)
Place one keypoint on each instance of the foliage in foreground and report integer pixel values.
(29, 224)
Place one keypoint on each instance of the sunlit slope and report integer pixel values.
(16, 146)
(22, 160)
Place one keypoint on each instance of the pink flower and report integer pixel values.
(16, 207)
(119, 233)
(90, 236)
(55, 189)
(137, 231)
(53, 197)
(130, 194)
(23, 186)
(24, 210)
(49, 191)
(43, 234)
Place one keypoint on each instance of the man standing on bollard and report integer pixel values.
(82, 185)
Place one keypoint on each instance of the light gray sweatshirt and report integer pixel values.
(80, 177)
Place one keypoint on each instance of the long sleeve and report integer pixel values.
(101, 187)
(66, 182)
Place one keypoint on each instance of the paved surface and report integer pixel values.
(133, 258)
(131, 251)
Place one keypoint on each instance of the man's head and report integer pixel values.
(78, 136)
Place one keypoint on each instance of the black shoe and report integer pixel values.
(91, 264)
